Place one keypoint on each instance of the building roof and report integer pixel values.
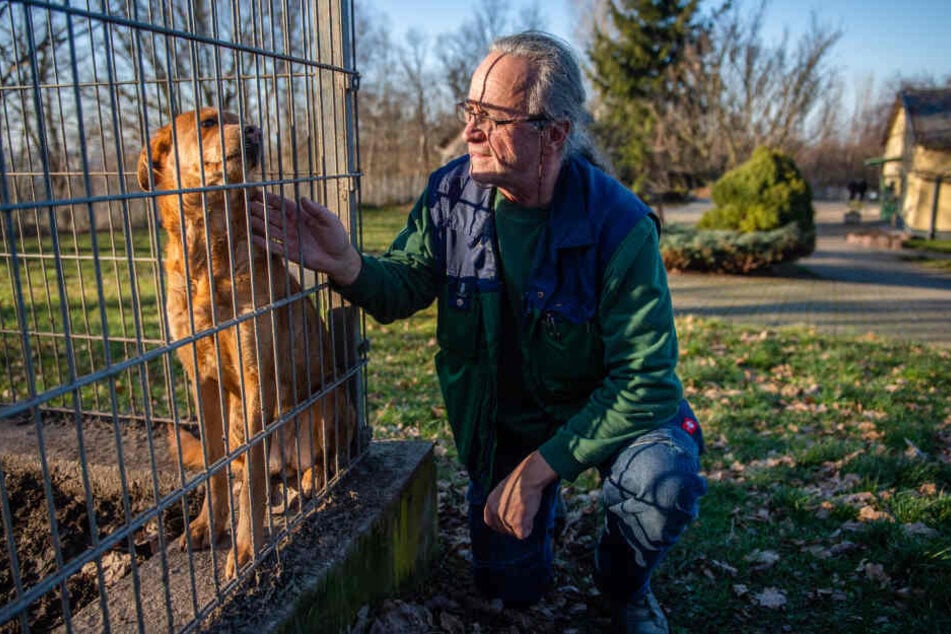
(929, 115)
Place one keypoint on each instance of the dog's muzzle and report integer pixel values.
(252, 146)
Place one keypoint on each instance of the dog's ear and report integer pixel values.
(159, 147)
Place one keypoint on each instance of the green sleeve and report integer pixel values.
(402, 280)
(641, 389)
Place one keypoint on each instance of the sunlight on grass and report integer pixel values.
(807, 462)
(828, 459)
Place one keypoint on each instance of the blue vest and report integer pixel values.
(591, 214)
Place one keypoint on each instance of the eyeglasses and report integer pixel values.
(467, 112)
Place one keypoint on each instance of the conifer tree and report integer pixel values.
(634, 69)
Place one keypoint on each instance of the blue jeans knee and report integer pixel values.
(517, 571)
(650, 492)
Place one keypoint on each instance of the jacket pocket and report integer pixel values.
(568, 357)
(459, 320)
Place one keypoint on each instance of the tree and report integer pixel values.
(462, 50)
(418, 85)
(736, 92)
(635, 62)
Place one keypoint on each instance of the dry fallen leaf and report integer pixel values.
(724, 567)
(870, 514)
(772, 598)
(451, 623)
(767, 557)
(919, 529)
(875, 572)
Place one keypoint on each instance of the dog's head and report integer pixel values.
(206, 142)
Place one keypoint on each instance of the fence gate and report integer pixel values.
(116, 280)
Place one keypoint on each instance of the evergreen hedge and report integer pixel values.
(722, 251)
(762, 216)
(764, 193)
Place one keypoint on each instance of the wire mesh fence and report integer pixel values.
(164, 383)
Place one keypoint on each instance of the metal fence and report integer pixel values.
(97, 396)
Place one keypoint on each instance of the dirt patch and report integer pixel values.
(68, 442)
(93, 439)
(66, 496)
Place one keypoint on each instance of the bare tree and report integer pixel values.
(737, 92)
(419, 86)
(461, 51)
(37, 58)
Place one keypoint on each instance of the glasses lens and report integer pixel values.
(464, 112)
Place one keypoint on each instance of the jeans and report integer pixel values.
(518, 571)
(650, 493)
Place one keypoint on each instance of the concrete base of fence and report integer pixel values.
(375, 531)
(394, 541)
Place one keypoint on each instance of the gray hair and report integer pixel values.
(558, 90)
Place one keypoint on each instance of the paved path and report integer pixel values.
(844, 288)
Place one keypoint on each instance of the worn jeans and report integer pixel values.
(650, 493)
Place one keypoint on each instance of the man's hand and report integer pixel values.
(307, 233)
(513, 504)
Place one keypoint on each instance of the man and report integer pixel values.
(557, 348)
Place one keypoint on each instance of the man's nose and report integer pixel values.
(472, 133)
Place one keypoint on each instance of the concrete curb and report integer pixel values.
(374, 531)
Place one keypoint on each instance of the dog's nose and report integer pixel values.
(252, 132)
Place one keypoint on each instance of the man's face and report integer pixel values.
(506, 156)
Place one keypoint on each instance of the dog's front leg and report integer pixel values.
(212, 521)
(253, 498)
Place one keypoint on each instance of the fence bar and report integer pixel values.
(90, 361)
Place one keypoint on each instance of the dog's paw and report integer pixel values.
(199, 533)
(311, 482)
(236, 559)
(229, 566)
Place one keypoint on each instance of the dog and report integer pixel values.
(246, 373)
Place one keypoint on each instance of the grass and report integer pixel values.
(828, 459)
(828, 463)
(89, 292)
(926, 251)
(924, 244)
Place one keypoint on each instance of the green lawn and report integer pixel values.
(828, 459)
(829, 469)
(923, 244)
(102, 289)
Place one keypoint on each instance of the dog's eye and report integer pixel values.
(209, 123)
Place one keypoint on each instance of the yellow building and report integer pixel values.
(916, 165)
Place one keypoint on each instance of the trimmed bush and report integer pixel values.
(687, 249)
(765, 193)
(763, 216)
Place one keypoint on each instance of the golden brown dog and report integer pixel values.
(244, 373)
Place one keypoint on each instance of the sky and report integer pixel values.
(880, 39)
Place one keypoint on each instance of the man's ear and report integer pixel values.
(556, 135)
(159, 146)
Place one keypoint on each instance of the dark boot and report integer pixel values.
(643, 616)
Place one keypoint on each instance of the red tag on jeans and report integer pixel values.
(689, 425)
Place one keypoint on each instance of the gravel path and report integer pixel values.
(841, 288)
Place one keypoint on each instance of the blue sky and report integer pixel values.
(880, 39)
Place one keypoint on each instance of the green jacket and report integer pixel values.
(599, 344)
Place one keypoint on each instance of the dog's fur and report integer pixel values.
(245, 374)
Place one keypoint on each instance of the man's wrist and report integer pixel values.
(350, 270)
(541, 472)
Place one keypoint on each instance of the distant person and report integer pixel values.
(860, 188)
(557, 347)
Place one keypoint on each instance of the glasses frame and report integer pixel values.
(468, 112)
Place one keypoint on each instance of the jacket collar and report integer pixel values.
(570, 220)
